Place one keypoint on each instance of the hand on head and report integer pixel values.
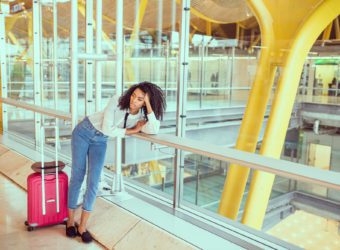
(146, 99)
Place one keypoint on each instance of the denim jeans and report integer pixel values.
(87, 144)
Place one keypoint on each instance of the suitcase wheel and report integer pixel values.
(29, 228)
(26, 223)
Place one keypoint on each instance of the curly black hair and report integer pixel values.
(157, 99)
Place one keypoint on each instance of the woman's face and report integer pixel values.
(136, 100)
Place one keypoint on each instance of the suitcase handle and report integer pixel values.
(42, 135)
(49, 177)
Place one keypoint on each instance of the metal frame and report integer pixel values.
(3, 69)
(55, 53)
(38, 109)
(182, 82)
(279, 167)
(89, 63)
(117, 187)
(74, 62)
(98, 64)
(231, 73)
(37, 72)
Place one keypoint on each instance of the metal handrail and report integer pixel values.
(35, 108)
(279, 167)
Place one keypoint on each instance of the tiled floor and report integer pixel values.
(13, 233)
(112, 226)
(308, 231)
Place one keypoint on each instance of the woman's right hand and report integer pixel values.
(139, 125)
(136, 129)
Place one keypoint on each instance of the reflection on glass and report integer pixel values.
(295, 211)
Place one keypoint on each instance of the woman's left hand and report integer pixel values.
(147, 99)
(147, 103)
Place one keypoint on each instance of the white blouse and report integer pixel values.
(110, 121)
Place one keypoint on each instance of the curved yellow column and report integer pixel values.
(130, 74)
(237, 176)
(309, 26)
(155, 172)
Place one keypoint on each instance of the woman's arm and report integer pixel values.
(136, 129)
(153, 125)
(147, 104)
(109, 126)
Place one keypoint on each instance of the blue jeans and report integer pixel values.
(87, 142)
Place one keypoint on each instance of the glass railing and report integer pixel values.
(299, 191)
(319, 95)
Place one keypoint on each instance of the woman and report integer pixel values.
(138, 109)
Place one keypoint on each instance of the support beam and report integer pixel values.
(156, 172)
(3, 74)
(237, 33)
(13, 39)
(208, 28)
(55, 54)
(89, 104)
(74, 62)
(99, 32)
(241, 41)
(182, 82)
(255, 41)
(302, 40)
(252, 35)
(10, 21)
(327, 32)
(192, 33)
(134, 38)
(117, 183)
(82, 11)
(37, 76)
(237, 177)
(136, 27)
(337, 28)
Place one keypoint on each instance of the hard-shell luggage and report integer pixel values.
(42, 210)
(47, 192)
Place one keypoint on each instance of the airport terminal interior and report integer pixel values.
(248, 153)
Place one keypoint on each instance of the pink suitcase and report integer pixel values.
(46, 195)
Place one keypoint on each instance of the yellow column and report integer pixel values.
(82, 11)
(192, 33)
(337, 28)
(237, 176)
(327, 32)
(138, 22)
(155, 171)
(309, 26)
(208, 28)
(133, 39)
(30, 39)
(13, 39)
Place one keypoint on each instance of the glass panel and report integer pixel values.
(220, 78)
(152, 56)
(153, 166)
(21, 122)
(203, 181)
(20, 83)
(313, 135)
(319, 81)
(295, 211)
